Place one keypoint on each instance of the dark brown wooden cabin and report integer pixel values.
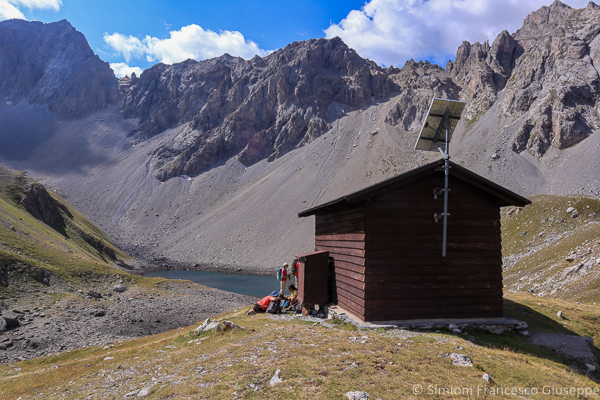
(387, 246)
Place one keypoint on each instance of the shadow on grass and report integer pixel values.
(519, 343)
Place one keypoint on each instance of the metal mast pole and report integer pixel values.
(447, 173)
(443, 115)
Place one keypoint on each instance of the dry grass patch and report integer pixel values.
(315, 362)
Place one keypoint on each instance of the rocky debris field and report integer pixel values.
(51, 322)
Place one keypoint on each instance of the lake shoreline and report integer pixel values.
(141, 266)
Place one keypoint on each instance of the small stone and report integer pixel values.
(357, 396)
(591, 367)
(275, 379)
(100, 313)
(462, 360)
(452, 326)
(486, 378)
(559, 314)
(522, 326)
(120, 288)
(207, 325)
(11, 323)
(570, 209)
(456, 330)
(145, 391)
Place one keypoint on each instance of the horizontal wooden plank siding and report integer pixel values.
(451, 301)
(356, 237)
(342, 233)
(432, 294)
(387, 253)
(433, 260)
(406, 276)
(458, 276)
(430, 229)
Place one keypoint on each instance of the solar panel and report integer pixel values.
(434, 128)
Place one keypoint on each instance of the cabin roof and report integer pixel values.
(504, 196)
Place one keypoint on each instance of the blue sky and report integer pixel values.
(133, 34)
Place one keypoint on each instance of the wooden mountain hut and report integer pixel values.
(385, 246)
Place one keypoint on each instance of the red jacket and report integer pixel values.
(265, 301)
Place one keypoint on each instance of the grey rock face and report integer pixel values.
(36, 199)
(53, 65)
(418, 82)
(256, 109)
(555, 81)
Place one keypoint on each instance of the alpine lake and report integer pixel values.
(253, 285)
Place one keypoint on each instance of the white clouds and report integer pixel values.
(190, 42)
(393, 31)
(11, 8)
(122, 69)
(8, 11)
(41, 4)
(128, 46)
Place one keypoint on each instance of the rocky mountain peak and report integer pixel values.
(53, 65)
(544, 20)
(251, 109)
(554, 88)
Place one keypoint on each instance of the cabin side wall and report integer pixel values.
(342, 233)
(406, 276)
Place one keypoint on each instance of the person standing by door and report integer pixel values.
(282, 277)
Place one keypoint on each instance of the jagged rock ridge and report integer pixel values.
(255, 109)
(545, 75)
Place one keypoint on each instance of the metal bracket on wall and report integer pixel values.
(437, 192)
(437, 216)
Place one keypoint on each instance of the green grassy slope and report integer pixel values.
(34, 252)
(549, 252)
